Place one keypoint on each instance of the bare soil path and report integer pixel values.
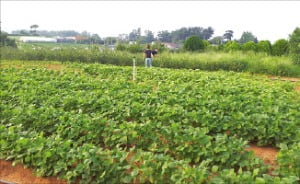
(20, 175)
(291, 79)
(267, 154)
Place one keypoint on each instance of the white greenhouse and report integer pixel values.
(32, 39)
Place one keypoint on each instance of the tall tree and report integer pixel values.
(247, 37)
(179, 34)
(207, 33)
(295, 45)
(228, 35)
(95, 38)
(164, 36)
(280, 47)
(149, 36)
(198, 31)
(183, 33)
(135, 34)
(33, 28)
(217, 40)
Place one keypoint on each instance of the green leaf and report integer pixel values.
(214, 168)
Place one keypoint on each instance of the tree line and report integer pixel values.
(247, 42)
(250, 43)
(175, 36)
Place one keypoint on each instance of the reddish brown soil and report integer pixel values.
(18, 174)
(292, 79)
(267, 154)
(55, 66)
(138, 164)
(12, 66)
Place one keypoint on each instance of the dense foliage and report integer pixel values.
(280, 47)
(180, 35)
(289, 159)
(295, 45)
(249, 46)
(264, 46)
(211, 61)
(5, 41)
(247, 37)
(93, 123)
(194, 43)
(232, 46)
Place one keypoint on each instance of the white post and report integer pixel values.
(134, 70)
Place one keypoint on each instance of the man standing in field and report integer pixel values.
(148, 56)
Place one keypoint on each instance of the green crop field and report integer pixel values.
(92, 123)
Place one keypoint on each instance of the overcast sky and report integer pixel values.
(270, 20)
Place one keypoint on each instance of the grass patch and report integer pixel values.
(210, 61)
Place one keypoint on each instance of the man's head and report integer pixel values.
(148, 46)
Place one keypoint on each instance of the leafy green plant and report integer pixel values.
(289, 160)
(91, 122)
(295, 45)
(264, 46)
(280, 47)
(249, 46)
(232, 46)
(194, 43)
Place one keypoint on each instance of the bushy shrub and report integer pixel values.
(280, 47)
(249, 46)
(232, 46)
(135, 48)
(194, 43)
(289, 160)
(5, 41)
(121, 47)
(295, 46)
(264, 46)
(206, 43)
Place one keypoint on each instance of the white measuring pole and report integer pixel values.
(133, 69)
